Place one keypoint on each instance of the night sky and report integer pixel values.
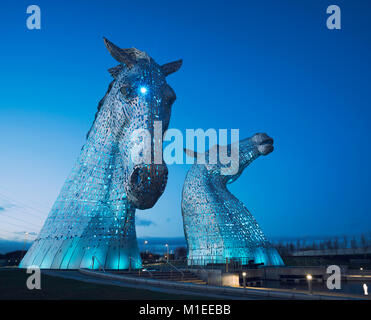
(257, 66)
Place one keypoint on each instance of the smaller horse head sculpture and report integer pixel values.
(260, 144)
(139, 96)
(247, 151)
(216, 224)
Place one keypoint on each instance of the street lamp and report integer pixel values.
(145, 242)
(365, 289)
(309, 279)
(167, 249)
(244, 279)
(24, 245)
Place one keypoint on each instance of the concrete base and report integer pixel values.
(230, 279)
(211, 277)
(275, 273)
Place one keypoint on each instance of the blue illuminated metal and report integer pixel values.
(92, 222)
(217, 225)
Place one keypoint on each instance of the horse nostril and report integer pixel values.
(135, 177)
(155, 176)
(146, 184)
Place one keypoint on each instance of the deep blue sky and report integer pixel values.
(259, 66)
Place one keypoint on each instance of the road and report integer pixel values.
(76, 275)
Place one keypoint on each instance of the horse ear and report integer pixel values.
(171, 67)
(115, 71)
(121, 55)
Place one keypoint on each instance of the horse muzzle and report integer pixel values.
(263, 142)
(146, 185)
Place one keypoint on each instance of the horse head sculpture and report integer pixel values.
(92, 223)
(217, 225)
(140, 96)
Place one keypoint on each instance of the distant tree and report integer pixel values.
(345, 242)
(336, 243)
(363, 241)
(329, 244)
(322, 245)
(314, 245)
(287, 248)
(353, 243)
(298, 245)
(303, 244)
(180, 252)
(280, 247)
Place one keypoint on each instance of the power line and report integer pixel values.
(20, 210)
(13, 234)
(16, 225)
(21, 220)
(38, 203)
(22, 204)
(6, 231)
(28, 213)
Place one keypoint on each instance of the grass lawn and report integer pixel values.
(13, 286)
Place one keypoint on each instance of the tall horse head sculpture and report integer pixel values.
(92, 223)
(217, 225)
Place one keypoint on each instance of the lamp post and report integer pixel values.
(244, 279)
(24, 246)
(167, 250)
(309, 279)
(145, 242)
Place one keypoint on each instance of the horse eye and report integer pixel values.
(124, 90)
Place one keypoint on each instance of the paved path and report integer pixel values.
(75, 275)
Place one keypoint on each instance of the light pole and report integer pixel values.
(309, 279)
(167, 250)
(244, 279)
(24, 246)
(365, 289)
(145, 242)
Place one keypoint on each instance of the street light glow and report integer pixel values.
(309, 277)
